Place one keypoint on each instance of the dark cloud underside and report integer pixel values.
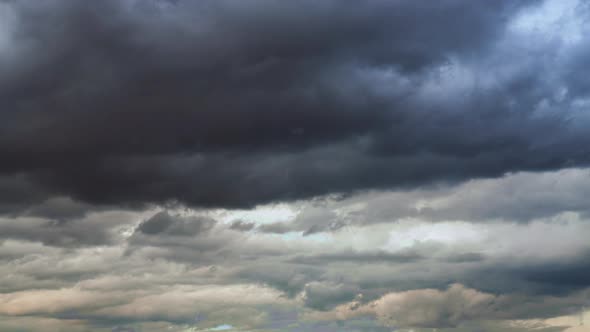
(219, 103)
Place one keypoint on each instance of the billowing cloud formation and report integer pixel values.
(333, 166)
(219, 103)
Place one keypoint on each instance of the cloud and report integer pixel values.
(85, 232)
(52, 301)
(430, 308)
(221, 104)
(449, 308)
(361, 257)
(521, 197)
(242, 226)
(175, 225)
(324, 295)
(172, 277)
(183, 304)
(295, 166)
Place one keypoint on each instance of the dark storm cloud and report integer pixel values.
(17, 193)
(222, 103)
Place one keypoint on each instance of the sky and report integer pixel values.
(294, 166)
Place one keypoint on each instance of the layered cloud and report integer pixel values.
(294, 166)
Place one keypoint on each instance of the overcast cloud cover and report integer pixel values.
(266, 165)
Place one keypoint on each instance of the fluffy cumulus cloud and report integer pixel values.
(335, 165)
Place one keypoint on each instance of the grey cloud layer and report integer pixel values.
(521, 197)
(172, 266)
(219, 103)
